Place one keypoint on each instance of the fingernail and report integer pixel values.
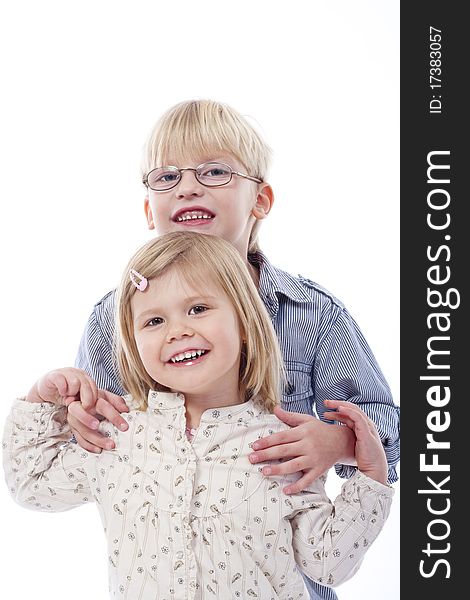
(253, 458)
(109, 445)
(124, 426)
(95, 424)
(267, 471)
(255, 446)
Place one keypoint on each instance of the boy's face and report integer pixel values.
(230, 210)
(188, 339)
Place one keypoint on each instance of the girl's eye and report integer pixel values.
(197, 310)
(153, 322)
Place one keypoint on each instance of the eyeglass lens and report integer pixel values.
(210, 174)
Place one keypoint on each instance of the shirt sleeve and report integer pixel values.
(345, 369)
(95, 353)
(330, 540)
(43, 470)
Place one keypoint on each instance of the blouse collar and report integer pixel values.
(167, 401)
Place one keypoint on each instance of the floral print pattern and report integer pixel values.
(194, 519)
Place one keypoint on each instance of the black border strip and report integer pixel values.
(434, 250)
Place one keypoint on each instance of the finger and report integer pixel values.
(94, 438)
(333, 403)
(291, 418)
(339, 417)
(117, 401)
(76, 409)
(303, 483)
(81, 441)
(73, 384)
(88, 392)
(296, 465)
(57, 380)
(355, 419)
(105, 409)
(276, 452)
(345, 404)
(53, 386)
(276, 439)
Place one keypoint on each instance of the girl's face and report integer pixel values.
(188, 340)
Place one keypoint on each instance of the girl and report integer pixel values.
(186, 514)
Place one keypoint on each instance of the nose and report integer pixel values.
(178, 331)
(189, 186)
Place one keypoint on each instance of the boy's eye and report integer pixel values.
(197, 310)
(215, 173)
(167, 177)
(153, 322)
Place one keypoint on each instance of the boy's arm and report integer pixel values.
(344, 369)
(330, 540)
(95, 357)
(43, 471)
(95, 353)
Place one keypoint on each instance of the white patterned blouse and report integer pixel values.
(194, 519)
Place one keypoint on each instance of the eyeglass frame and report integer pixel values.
(195, 170)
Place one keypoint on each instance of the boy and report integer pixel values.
(205, 169)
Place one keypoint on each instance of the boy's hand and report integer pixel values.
(310, 446)
(370, 454)
(83, 423)
(86, 405)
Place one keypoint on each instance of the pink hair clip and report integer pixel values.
(140, 285)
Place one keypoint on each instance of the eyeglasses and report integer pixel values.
(210, 174)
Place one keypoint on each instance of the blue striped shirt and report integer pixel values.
(325, 354)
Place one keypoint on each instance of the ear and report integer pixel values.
(148, 213)
(264, 201)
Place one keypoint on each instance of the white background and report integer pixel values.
(83, 83)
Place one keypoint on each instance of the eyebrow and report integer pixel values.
(156, 310)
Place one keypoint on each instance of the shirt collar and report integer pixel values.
(273, 281)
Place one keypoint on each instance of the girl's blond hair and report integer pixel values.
(200, 258)
(197, 128)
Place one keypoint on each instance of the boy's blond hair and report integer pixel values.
(207, 128)
(200, 258)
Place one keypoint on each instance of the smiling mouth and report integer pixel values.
(188, 356)
(193, 216)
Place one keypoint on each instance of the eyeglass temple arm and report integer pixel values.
(248, 177)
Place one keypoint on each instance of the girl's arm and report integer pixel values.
(43, 470)
(330, 540)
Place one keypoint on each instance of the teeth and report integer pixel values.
(190, 216)
(186, 355)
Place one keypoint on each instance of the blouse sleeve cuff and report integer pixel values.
(38, 418)
(364, 480)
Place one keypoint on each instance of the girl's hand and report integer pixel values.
(86, 404)
(63, 386)
(369, 452)
(310, 446)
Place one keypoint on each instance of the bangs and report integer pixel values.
(203, 130)
(201, 280)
